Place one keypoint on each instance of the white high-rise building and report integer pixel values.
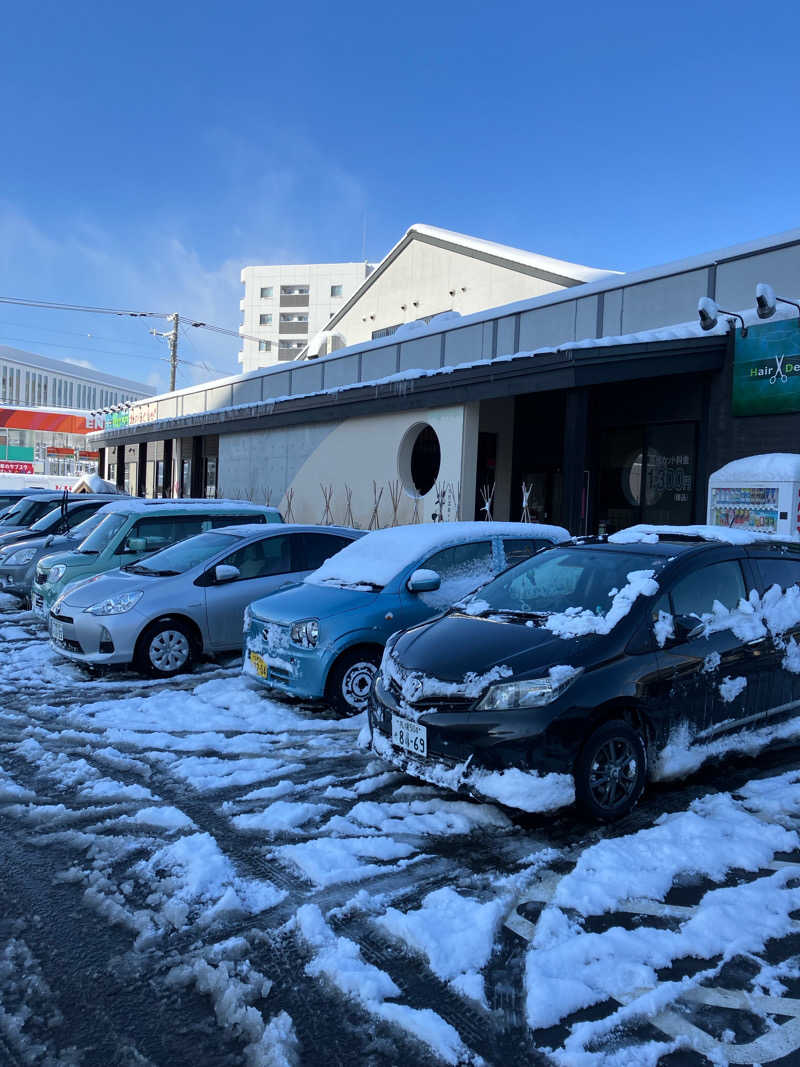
(286, 305)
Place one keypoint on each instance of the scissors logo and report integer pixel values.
(779, 374)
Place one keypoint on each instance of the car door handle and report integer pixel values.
(756, 641)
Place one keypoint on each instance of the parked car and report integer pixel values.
(59, 519)
(19, 558)
(134, 528)
(588, 658)
(28, 510)
(162, 612)
(323, 639)
(10, 497)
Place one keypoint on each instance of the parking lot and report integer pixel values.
(195, 873)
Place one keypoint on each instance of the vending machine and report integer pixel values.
(758, 493)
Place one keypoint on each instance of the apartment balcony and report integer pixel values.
(293, 327)
(297, 301)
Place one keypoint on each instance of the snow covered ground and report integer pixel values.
(194, 873)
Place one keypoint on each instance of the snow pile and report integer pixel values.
(645, 534)
(416, 687)
(11, 790)
(340, 961)
(280, 816)
(768, 467)
(233, 985)
(375, 559)
(192, 880)
(568, 969)
(578, 622)
(524, 790)
(455, 934)
(330, 861)
(27, 1008)
(730, 688)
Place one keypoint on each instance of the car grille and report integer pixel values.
(443, 703)
(61, 618)
(40, 578)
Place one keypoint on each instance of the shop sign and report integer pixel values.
(10, 466)
(117, 420)
(143, 413)
(766, 369)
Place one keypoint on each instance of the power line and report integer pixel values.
(54, 306)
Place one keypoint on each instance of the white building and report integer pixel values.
(288, 304)
(31, 380)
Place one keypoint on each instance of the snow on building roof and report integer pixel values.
(376, 558)
(769, 467)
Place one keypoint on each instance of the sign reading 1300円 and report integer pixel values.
(766, 369)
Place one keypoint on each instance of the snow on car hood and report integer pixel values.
(304, 601)
(457, 645)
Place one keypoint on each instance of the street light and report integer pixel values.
(767, 301)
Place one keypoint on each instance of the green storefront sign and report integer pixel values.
(766, 369)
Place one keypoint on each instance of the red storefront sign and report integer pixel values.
(10, 466)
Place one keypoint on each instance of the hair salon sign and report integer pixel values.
(766, 369)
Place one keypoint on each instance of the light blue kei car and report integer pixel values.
(323, 639)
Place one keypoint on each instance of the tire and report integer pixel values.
(165, 648)
(610, 772)
(350, 680)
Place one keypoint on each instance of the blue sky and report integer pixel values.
(150, 151)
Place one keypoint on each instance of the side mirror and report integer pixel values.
(134, 545)
(687, 628)
(225, 572)
(423, 581)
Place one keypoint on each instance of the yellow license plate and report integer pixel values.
(262, 670)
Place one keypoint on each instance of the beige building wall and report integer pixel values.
(425, 280)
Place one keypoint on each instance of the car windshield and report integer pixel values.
(83, 529)
(559, 579)
(48, 521)
(179, 558)
(102, 534)
(29, 510)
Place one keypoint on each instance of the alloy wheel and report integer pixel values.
(356, 683)
(614, 772)
(169, 650)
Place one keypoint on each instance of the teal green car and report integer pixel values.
(131, 529)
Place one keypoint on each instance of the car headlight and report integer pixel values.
(116, 605)
(305, 633)
(55, 574)
(534, 693)
(22, 555)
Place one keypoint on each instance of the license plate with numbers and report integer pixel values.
(409, 736)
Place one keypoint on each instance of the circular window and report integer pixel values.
(420, 459)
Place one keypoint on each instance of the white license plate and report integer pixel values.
(57, 632)
(410, 736)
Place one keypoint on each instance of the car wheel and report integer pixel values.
(165, 649)
(610, 772)
(351, 679)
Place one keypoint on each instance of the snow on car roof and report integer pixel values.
(251, 529)
(769, 467)
(644, 534)
(187, 504)
(376, 558)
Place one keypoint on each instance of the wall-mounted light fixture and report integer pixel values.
(767, 301)
(709, 314)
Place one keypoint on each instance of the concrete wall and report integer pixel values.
(425, 280)
(264, 464)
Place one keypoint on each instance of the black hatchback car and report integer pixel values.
(589, 658)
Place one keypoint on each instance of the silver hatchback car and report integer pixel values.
(162, 612)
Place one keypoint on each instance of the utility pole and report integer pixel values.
(173, 351)
(172, 337)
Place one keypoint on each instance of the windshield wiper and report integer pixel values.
(88, 551)
(135, 568)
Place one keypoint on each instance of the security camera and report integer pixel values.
(708, 311)
(765, 300)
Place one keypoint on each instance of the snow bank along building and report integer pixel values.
(45, 407)
(554, 392)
